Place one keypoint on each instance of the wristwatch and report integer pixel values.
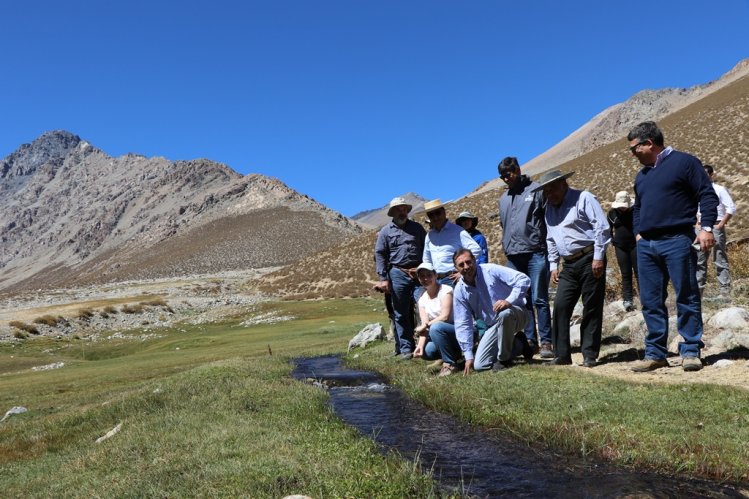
(707, 229)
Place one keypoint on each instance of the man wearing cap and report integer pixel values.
(443, 240)
(469, 221)
(496, 295)
(521, 216)
(398, 251)
(668, 189)
(578, 234)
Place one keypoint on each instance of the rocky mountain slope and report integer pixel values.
(614, 122)
(74, 215)
(715, 128)
(378, 217)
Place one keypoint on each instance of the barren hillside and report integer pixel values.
(715, 128)
(73, 214)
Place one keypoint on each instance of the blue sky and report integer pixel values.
(349, 102)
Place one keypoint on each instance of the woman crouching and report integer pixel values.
(436, 331)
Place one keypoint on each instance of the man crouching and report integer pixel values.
(496, 295)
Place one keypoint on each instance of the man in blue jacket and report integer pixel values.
(668, 190)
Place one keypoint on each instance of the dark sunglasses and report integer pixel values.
(633, 148)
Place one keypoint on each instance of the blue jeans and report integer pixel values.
(670, 257)
(404, 292)
(535, 266)
(442, 343)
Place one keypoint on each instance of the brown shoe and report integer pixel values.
(691, 364)
(546, 351)
(447, 370)
(435, 366)
(643, 366)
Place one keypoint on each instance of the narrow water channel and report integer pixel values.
(475, 463)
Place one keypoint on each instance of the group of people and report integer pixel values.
(474, 315)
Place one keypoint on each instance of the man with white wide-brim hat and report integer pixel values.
(578, 234)
(398, 252)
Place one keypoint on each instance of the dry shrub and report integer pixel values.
(48, 320)
(29, 328)
(20, 335)
(109, 309)
(85, 314)
(738, 258)
(132, 309)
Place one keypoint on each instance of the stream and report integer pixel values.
(473, 462)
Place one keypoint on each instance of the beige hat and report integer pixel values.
(464, 215)
(622, 200)
(398, 202)
(432, 205)
(551, 177)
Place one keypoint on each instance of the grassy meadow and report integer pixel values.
(204, 412)
(207, 410)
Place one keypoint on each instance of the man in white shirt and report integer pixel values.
(726, 210)
(443, 241)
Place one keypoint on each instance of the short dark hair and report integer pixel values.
(709, 169)
(647, 130)
(509, 164)
(462, 251)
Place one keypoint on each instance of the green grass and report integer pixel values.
(205, 412)
(698, 430)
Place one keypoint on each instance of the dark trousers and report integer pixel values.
(576, 279)
(627, 260)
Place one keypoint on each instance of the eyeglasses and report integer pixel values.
(506, 175)
(633, 148)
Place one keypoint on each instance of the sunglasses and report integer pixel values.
(633, 148)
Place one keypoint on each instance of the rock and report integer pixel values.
(730, 318)
(723, 363)
(12, 411)
(370, 333)
(728, 340)
(632, 324)
(614, 308)
(575, 335)
(56, 365)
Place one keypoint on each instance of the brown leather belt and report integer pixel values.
(579, 254)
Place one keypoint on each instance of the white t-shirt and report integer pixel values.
(433, 306)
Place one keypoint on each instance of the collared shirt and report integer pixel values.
(521, 216)
(440, 245)
(576, 224)
(725, 202)
(401, 247)
(662, 155)
(493, 283)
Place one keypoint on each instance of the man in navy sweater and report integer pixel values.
(668, 190)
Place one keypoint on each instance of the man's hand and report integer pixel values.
(555, 276)
(455, 276)
(598, 268)
(382, 287)
(705, 239)
(500, 305)
(418, 351)
(468, 367)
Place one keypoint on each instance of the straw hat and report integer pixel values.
(432, 205)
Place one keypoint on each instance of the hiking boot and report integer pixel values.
(643, 366)
(546, 351)
(691, 364)
(501, 365)
(405, 356)
(590, 363)
(447, 370)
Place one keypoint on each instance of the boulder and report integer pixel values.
(730, 318)
(370, 333)
(575, 335)
(729, 340)
(12, 411)
(632, 324)
(723, 363)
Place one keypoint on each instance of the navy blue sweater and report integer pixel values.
(667, 196)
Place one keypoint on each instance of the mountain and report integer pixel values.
(714, 127)
(378, 217)
(75, 215)
(615, 122)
